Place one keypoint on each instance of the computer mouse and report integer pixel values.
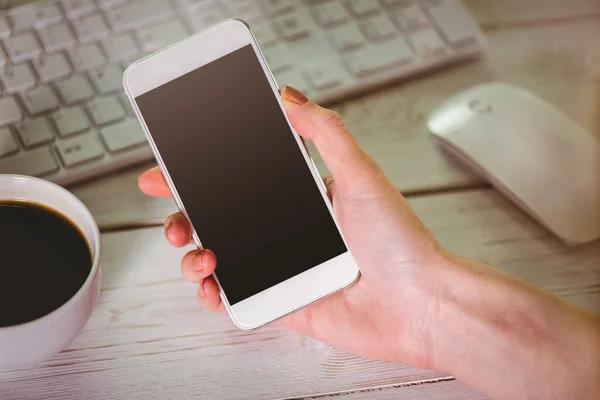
(529, 151)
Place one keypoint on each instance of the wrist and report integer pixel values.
(482, 312)
(422, 344)
(504, 337)
(454, 281)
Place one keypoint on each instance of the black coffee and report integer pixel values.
(44, 260)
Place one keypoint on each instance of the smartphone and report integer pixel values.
(239, 172)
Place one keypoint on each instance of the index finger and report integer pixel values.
(152, 183)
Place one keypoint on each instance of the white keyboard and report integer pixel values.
(62, 112)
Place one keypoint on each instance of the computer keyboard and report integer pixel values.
(63, 115)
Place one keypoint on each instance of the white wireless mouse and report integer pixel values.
(531, 152)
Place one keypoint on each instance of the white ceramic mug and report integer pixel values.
(32, 342)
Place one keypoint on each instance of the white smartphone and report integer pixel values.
(240, 173)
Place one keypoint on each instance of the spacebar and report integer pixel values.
(38, 162)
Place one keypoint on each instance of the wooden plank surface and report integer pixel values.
(558, 61)
(148, 338)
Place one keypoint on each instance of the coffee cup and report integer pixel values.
(30, 342)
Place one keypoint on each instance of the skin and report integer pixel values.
(415, 302)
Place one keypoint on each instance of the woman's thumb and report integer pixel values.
(342, 154)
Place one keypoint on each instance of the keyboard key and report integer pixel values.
(42, 99)
(108, 79)
(87, 56)
(9, 111)
(80, 149)
(396, 3)
(109, 4)
(123, 136)
(330, 14)
(271, 7)
(5, 30)
(74, 90)
(410, 19)
(34, 132)
(47, 14)
(138, 14)
(161, 35)
(78, 8)
(121, 47)
(57, 37)
(23, 46)
(278, 58)
(70, 121)
(90, 28)
(17, 78)
(265, 36)
(311, 47)
(247, 10)
(293, 26)
(363, 8)
(375, 58)
(22, 17)
(8, 144)
(294, 79)
(39, 162)
(192, 6)
(454, 22)
(378, 28)
(105, 110)
(427, 43)
(324, 74)
(205, 19)
(53, 67)
(346, 38)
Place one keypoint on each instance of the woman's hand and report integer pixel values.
(415, 303)
(387, 314)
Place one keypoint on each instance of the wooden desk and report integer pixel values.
(148, 338)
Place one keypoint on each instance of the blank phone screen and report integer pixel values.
(240, 174)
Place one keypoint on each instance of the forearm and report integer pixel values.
(511, 340)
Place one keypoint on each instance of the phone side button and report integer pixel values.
(123, 136)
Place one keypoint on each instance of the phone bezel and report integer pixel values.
(183, 57)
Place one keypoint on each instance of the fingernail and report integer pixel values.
(167, 227)
(294, 95)
(197, 263)
(201, 292)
